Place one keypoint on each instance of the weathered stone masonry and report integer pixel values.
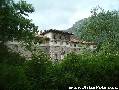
(60, 43)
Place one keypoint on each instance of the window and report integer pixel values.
(56, 56)
(60, 37)
(67, 43)
(55, 42)
(74, 45)
(46, 48)
(54, 37)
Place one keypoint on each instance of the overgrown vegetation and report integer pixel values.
(99, 68)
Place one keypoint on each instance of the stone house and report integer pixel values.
(60, 43)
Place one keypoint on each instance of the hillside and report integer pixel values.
(77, 27)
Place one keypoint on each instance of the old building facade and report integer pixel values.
(60, 43)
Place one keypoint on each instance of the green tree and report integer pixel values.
(37, 70)
(13, 78)
(13, 21)
(14, 24)
(102, 28)
(87, 69)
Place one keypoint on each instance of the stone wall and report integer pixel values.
(58, 52)
(18, 47)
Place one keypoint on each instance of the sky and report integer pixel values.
(62, 14)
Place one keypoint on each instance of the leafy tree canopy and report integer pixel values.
(102, 28)
(13, 21)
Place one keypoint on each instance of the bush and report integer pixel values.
(87, 70)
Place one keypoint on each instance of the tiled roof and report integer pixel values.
(56, 31)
